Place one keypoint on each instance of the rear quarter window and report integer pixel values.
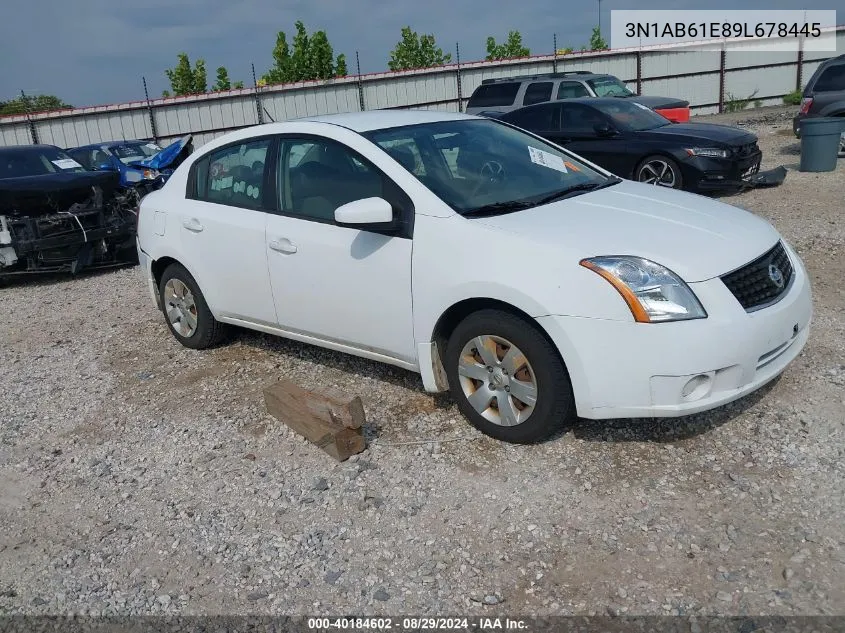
(488, 95)
(831, 80)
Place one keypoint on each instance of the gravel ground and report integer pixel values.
(139, 477)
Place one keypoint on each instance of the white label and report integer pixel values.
(153, 146)
(539, 157)
(66, 163)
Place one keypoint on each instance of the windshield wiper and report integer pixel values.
(580, 188)
(498, 208)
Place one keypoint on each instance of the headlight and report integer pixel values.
(653, 293)
(710, 152)
(150, 174)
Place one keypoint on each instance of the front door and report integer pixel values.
(334, 283)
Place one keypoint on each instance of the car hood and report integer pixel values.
(658, 103)
(696, 237)
(38, 195)
(725, 134)
(167, 157)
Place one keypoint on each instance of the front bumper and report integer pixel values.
(633, 370)
(713, 174)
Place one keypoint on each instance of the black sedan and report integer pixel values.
(634, 142)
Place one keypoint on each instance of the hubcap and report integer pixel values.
(658, 172)
(497, 380)
(180, 307)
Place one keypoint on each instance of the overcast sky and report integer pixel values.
(96, 51)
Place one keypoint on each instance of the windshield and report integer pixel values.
(131, 152)
(609, 87)
(39, 161)
(633, 117)
(470, 164)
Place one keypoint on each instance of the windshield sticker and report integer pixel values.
(66, 163)
(153, 147)
(570, 166)
(546, 159)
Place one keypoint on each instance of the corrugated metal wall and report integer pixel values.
(694, 75)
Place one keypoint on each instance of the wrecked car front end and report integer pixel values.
(65, 222)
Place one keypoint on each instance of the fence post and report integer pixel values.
(258, 109)
(32, 131)
(554, 54)
(639, 72)
(723, 62)
(360, 83)
(458, 75)
(799, 75)
(150, 111)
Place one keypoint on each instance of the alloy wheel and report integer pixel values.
(497, 380)
(658, 172)
(180, 307)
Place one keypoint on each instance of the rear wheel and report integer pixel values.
(186, 312)
(507, 379)
(661, 171)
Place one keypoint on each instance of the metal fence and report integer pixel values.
(709, 79)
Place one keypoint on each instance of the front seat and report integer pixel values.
(404, 156)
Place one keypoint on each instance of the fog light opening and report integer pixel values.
(696, 387)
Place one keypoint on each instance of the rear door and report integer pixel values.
(537, 92)
(222, 226)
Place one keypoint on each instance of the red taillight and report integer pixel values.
(806, 103)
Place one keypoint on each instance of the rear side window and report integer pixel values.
(538, 92)
(488, 95)
(234, 175)
(831, 80)
(571, 90)
(539, 119)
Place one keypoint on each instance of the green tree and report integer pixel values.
(597, 42)
(238, 85)
(222, 82)
(512, 47)
(416, 51)
(312, 58)
(31, 104)
(185, 80)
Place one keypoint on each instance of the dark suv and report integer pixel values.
(824, 94)
(496, 96)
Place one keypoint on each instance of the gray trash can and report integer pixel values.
(820, 143)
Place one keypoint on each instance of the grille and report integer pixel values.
(755, 284)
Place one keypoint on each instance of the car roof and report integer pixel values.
(380, 119)
(28, 148)
(110, 143)
(590, 101)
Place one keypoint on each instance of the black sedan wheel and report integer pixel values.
(660, 171)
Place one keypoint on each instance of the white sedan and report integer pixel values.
(535, 286)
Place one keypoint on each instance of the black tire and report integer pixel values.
(208, 332)
(555, 405)
(679, 180)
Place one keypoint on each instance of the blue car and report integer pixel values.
(141, 164)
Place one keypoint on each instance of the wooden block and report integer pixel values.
(331, 420)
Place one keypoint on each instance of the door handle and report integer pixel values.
(282, 245)
(193, 225)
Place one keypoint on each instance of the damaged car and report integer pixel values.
(56, 216)
(142, 165)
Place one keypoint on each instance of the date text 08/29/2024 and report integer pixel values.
(421, 623)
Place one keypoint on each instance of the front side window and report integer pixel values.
(581, 119)
(316, 176)
(633, 117)
(571, 90)
(473, 164)
(234, 175)
(609, 87)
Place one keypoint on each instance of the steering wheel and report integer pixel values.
(491, 171)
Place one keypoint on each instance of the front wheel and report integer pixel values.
(507, 378)
(661, 171)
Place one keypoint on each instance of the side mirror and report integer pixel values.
(374, 214)
(105, 167)
(603, 129)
